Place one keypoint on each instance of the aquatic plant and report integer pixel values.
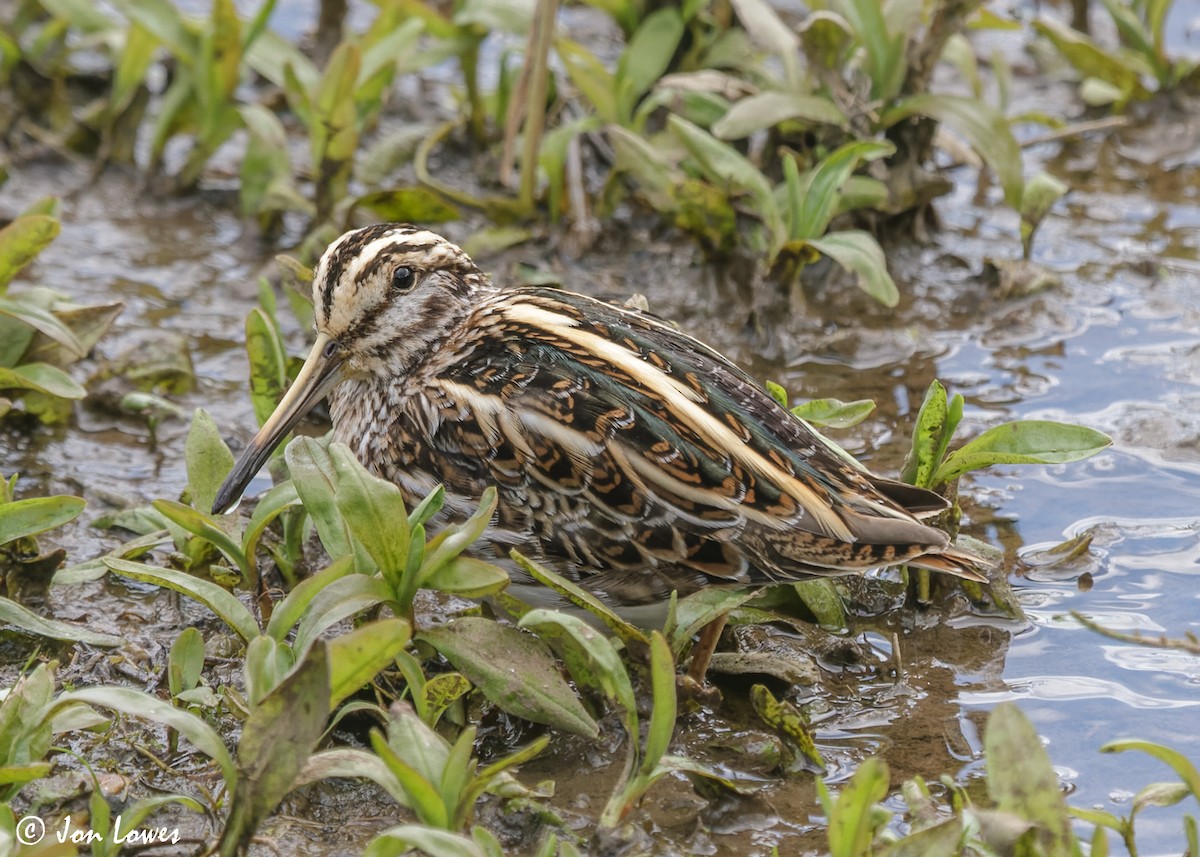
(42, 333)
(1134, 69)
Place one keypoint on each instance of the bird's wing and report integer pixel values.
(583, 396)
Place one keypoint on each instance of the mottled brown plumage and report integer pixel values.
(628, 456)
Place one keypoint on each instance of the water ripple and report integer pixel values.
(1066, 688)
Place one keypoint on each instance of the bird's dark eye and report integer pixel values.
(403, 278)
(331, 348)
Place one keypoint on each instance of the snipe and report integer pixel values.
(628, 456)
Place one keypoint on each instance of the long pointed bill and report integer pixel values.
(317, 377)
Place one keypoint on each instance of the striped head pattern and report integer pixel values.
(385, 294)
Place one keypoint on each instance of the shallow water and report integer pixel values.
(1116, 347)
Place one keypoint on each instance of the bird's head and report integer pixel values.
(383, 296)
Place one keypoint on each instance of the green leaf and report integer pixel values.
(341, 599)
(44, 322)
(859, 253)
(1022, 781)
(852, 822)
(664, 708)
(467, 577)
(512, 669)
(1091, 60)
(203, 525)
(409, 205)
(834, 413)
(1178, 762)
(590, 657)
(185, 662)
(288, 611)
(374, 510)
(768, 31)
(646, 57)
(272, 504)
(346, 762)
(820, 188)
(591, 78)
(231, 611)
(822, 599)
(208, 459)
(1038, 197)
(724, 165)
(417, 780)
(768, 109)
(405, 838)
(885, 49)
(316, 481)
(268, 363)
(985, 128)
(137, 704)
(1023, 442)
(21, 241)
(357, 657)
(580, 597)
(266, 663)
(22, 518)
(699, 609)
(12, 613)
(277, 739)
(935, 426)
(163, 19)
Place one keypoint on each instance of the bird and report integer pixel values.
(627, 455)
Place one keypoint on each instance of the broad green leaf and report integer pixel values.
(409, 205)
(699, 609)
(43, 378)
(163, 19)
(769, 32)
(231, 611)
(821, 186)
(1023, 442)
(822, 599)
(185, 662)
(455, 539)
(374, 510)
(267, 661)
(357, 657)
(467, 577)
(271, 54)
(859, 253)
(646, 57)
(208, 459)
(984, 127)
(137, 704)
(404, 838)
(203, 525)
(277, 738)
(420, 788)
(591, 78)
(346, 762)
(885, 48)
(288, 611)
(768, 109)
(934, 427)
(723, 165)
(852, 824)
(834, 413)
(316, 481)
(345, 597)
(1120, 70)
(1037, 198)
(272, 504)
(664, 706)
(12, 613)
(1022, 781)
(590, 658)
(21, 241)
(943, 839)
(512, 669)
(22, 518)
(44, 322)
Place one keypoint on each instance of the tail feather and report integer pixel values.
(955, 561)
